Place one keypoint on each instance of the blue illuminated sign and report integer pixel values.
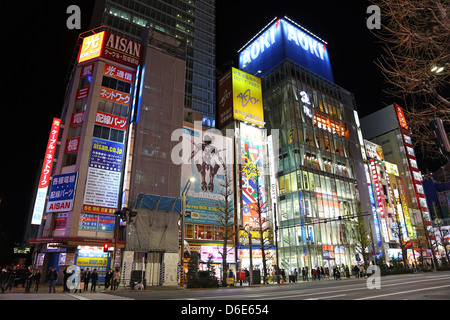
(282, 40)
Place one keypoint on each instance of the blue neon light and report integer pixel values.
(283, 40)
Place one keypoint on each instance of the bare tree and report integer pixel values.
(397, 230)
(225, 218)
(416, 63)
(263, 226)
(362, 237)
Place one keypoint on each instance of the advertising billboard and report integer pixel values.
(103, 178)
(253, 175)
(285, 39)
(240, 98)
(206, 155)
(112, 47)
(39, 205)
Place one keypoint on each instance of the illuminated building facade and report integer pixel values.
(388, 129)
(115, 146)
(319, 167)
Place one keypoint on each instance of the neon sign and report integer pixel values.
(285, 39)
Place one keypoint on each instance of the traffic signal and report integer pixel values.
(131, 215)
(105, 247)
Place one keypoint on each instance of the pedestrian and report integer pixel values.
(231, 278)
(65, 278)
(11, 279)
(3, 279)
(29, 276)
(116, 279)
(295, 275)
(94, 278)
(37, 280)
(87, 277)
(108, 278)
(52, 276)
(247, 275)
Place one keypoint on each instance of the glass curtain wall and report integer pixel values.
(316, 175)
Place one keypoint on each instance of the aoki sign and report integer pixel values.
(285, 39)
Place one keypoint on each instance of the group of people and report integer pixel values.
(31, 278)
(318, 273)
(11, 275)
(86, 276)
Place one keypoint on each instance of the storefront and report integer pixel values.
(61, 253)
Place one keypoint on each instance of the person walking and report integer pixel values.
(52, 276)
(29, 276)
(116, 279)
(94, 278)
(87, 277)
(108, 278)
(66, 277)
(37, 280)
(3, 279)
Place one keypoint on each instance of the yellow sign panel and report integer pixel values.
(391, 168)
(92, 262)
(91, 47)
(247, 97)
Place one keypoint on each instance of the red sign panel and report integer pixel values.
(82, 94)
(401, 117)
(118, 73)
(72, 145)
(49, 154)
(77, 118)
(112, 47)
(115, 96)
(112, 121)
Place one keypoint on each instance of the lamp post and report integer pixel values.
(183, 213)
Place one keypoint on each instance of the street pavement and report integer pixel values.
(423, 286)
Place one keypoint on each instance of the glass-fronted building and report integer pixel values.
(316, 169)
(320, 170)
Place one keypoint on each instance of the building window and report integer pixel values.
(108, 133)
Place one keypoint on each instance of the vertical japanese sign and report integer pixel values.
(253, 175)
(379, 193)
(39, 204)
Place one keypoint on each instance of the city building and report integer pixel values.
(317, 148)
(388, 128)
(123, 102)
(190, 21)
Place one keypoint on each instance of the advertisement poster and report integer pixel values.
(209, 152)
(62, 192)
(94, 258)
(103, 178)
(252, 158)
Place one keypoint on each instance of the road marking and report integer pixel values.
(77, 296)
(391, 294)
(329, 297)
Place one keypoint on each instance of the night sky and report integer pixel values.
(38, 47)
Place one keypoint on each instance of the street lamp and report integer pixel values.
(183, 213)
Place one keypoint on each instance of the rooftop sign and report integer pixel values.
(285, 39)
